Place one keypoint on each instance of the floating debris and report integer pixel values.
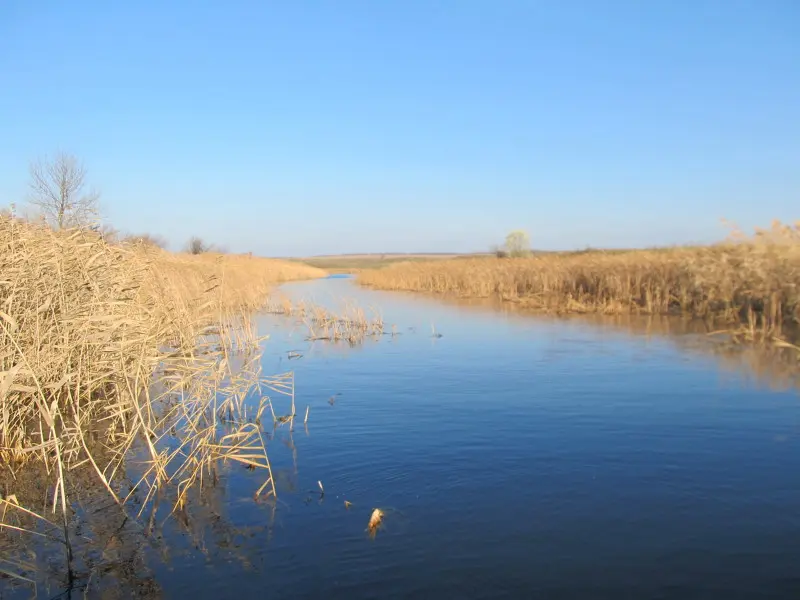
(322, 489)
(375, 522)
(347, 504)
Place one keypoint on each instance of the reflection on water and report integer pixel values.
(774, 366)
(514, 456)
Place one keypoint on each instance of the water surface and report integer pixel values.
(515, 457)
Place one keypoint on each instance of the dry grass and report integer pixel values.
(751, 281)
(108, 350)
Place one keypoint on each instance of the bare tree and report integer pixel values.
(57, 189)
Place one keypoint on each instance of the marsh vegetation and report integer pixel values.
(110, 351)
(751, 284)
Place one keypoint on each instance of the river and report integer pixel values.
(514, 456)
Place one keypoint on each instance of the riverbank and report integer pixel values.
(754, 283)
(96, 340)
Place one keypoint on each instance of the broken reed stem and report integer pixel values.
(293, 408)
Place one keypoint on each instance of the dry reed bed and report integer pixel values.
(751, 281)
(108, 348)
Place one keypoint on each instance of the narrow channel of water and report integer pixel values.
(518, 457)
(513, 457)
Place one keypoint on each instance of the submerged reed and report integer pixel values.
(351, 324)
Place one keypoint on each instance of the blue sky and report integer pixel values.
(306, 127)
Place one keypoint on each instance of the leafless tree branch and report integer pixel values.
(57, 190)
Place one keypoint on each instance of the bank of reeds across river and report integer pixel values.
(107, 350)
(751, 284)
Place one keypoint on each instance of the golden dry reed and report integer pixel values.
(750, 280)
(107, 350)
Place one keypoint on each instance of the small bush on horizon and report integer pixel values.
(146, 239)
(196, 245)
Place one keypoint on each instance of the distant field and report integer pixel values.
(349, 263)
(353, 263)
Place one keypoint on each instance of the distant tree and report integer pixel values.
(499, 251)
(196, 245)
(57, 190)
(25, 214)
(518, 243)
(146, 239)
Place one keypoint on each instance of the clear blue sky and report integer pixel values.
(305, 127)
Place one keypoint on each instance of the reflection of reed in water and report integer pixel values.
(768, 361)
(195, 432)
(113, 547)
(771, 365)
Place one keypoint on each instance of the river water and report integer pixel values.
(514, 457)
